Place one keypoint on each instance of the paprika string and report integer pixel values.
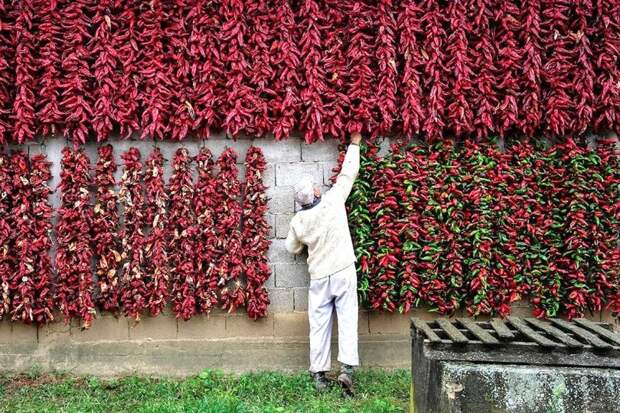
(182, 232)
(74, 282)
(155, 250)
(7, 72)
(105, 230)
(255, 242)
(7, 224)
(131, 198)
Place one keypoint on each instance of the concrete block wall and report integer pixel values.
(164, 345)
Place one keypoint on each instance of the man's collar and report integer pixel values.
(312, 205)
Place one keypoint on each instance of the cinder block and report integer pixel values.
(203, 327)
(18, 333)
(323, 151)
(283, 221)
(271, 220)
(277, 252)
(607, 317)
(5, 332)
(281, 200)
(288, 174)
(104, 328)
(291, 325)
(283, 151)
(239, 325)
(300, 297)
(292, 275)
(328, 171)
(161, 327)
(281, 300)
(518, 311)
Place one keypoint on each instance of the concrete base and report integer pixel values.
(183, 357)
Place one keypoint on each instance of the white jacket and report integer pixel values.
(324, 229)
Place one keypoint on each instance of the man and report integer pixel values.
(322, 226)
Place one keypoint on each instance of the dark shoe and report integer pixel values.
(346, 382)
(321, 383)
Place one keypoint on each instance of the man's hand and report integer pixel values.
(356, 138)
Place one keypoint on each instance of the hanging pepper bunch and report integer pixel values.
(105, 58)
(530, 37)
(155, 251)
(385, 53)
(205, 67)
(412, 108)
(125, 36)
(177, 31)
(105, 232)
(285, 56)
(414, 232)
(582, 31)
(48, 111)
(6, 224)
(7, 70)
(608, 250)
(25, 72)
(460, 83)
(182, 232)
(207, 198)
(156, 88)
(361, 77)
(30, 285)
(76, 99)
(509, 62)
(131, 197)
(228, 217)
(255, 242)
(359, 217)
(74, 283)
(387, 227)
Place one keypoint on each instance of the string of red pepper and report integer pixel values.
(255, 242)
(155, 251)
(182, 232)
(30, 284)
(229, 264)
(74, 283)
(7, 73)
(104, 234)
(6, 224)
(207, 197)
(131, 197)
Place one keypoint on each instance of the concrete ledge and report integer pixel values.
(182, 357)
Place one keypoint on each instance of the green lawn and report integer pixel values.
(211, 391)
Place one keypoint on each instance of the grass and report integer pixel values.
(209, 392)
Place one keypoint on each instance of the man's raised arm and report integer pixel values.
(350, 169)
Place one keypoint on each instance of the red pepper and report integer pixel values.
(106, 245)
(7, 261)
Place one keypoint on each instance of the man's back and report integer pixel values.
(324, 228)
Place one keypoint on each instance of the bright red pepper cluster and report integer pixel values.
(470, 226)
(74, 253)
(170, 69)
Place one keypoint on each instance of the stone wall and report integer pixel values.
(231, 342)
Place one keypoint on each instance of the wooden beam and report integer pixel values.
(502, 329)
(423, 327)
(531, 334)
(584, 334)
(555, 332)
(478, 331)
(452, 332)
(600, 330)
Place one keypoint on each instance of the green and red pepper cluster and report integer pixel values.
(475, 227)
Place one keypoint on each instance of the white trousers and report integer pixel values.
(337, 291)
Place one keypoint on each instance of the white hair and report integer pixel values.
(304, 190)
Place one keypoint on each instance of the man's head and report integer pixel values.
(306, 191)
